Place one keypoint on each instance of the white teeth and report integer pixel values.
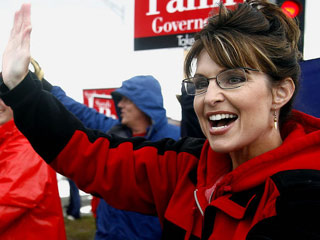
(218, 128)
(217, 117)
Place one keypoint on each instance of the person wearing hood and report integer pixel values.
(140, 111)
(255, 176)
(139, 106)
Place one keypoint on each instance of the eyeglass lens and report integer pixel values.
(229, 79)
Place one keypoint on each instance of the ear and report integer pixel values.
(283, 92)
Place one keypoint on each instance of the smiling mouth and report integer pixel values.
(220, 121)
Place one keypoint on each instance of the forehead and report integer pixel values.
(125, 99)
(206, 66)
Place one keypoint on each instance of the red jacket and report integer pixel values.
(30, 206)
(191, 188)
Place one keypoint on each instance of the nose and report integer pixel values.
(121, 103)
(214, 93)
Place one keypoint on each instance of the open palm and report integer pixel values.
(16, 57)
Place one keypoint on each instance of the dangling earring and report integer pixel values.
(275, 120)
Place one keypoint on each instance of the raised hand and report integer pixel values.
(16, 57)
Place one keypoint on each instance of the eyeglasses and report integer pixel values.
(228, 79)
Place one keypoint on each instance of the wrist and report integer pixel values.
(13, 82)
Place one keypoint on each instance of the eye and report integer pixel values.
(200, 82)
(235, 80)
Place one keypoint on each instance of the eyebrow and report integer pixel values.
(202, 75)
(199, 75)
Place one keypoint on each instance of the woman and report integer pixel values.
(256, 174)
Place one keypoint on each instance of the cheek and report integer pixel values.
(198, 106)
(255, 108)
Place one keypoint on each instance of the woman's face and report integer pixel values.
(249, 109)
(6, 113)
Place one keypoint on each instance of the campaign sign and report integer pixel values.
(101, 100)
(171, 23)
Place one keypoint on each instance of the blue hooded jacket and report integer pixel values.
(145, 93)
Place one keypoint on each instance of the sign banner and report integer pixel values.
(101, 100)
(171, 23)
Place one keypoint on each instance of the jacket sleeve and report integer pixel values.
(130, 174)
(24, 178)
(297, 207)
(89, 116)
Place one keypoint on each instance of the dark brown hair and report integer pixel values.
(254, 34)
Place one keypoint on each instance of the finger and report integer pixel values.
(26, 26)
(25, 43)
(17, 23)
(26, 14)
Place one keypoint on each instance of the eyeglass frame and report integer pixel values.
(188, 80)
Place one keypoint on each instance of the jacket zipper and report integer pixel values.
(197, 202)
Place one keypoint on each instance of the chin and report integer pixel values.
(222, 147)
